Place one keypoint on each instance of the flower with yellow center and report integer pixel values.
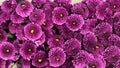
(29, 50)
(32, 31)
(97, 47)
(44, 23)
(39, 60)
(12, 24)
(74, 23)
(35, 15)
(57, 40)
(114, 6)
(93, 66)
(57, 59)
(61, 15)
(23, 5)
(7, 50)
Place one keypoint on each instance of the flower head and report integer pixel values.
(37, 16)
(57, 57)
(24, 8)
(3, 36)
(60, 15)
(32, 31)
(27, 50)
(7, 50)
(40, 59)
(74, 22)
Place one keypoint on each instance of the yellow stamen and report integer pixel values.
(61, 15)
(44, 23)
(0, 34)
(35, 15)
(97, 47)
(74, 23)
(29, 50)
(39, 60)
(7, 50)
(23, 5)
(93, 66)
(57, 40)
(57, 59)
(13, 24)
(32, 31)
(115, 6)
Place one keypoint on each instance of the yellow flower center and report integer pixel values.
(115, 6)
(61, 14)
(35, 15)
(57, 59)
(97, 47)
(32, 31)
(57, 40)
(23, 5)
(39, 60)
(29, 50)
(74, 23)
(12, 24)
(44, 23)
(93, 66)
(7, 50)
(0, 34)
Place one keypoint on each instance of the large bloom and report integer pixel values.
(40, 59)
(27, 50)
(7, 51)
(3, 36)
(15, 18)
(24, 8)
(80, 8)
(32, 31)
(57, 57)
(60, 15)
(37, 16)
(74, 22)
(72, 47)
(55, 41)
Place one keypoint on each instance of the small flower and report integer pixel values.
(81, 9)
(7, 6)
(13, 27)
(3, 36)
(74, 22)
(40, 59)
(37, 16)
(32, 31)
(60, 15)
(57, 57)
(7, 50)
(24, 8)
(103, 10)
(15, 18)
(72, 47)
(55, 41)
(27, 50)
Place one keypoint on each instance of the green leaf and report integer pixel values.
(14, 65)
(10, 35)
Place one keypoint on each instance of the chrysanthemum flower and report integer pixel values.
(95, 63)
(3, 36)
(37, 16)
(25, 63)
(57, 57)
(111, 54)
(7, 50)
(7, 6)
(27, 50)
(60, 15)
(13, 27)
(47, 24)
(40, 59)
(15, 18)
(81, 9)
(55, 41)
(4, 16)
(24, 8)
(103, 10)
(32, 31)
(117, 28)
(81, 58)
(74, 22)
(72, 47)
(103, 29)
(114, 5)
